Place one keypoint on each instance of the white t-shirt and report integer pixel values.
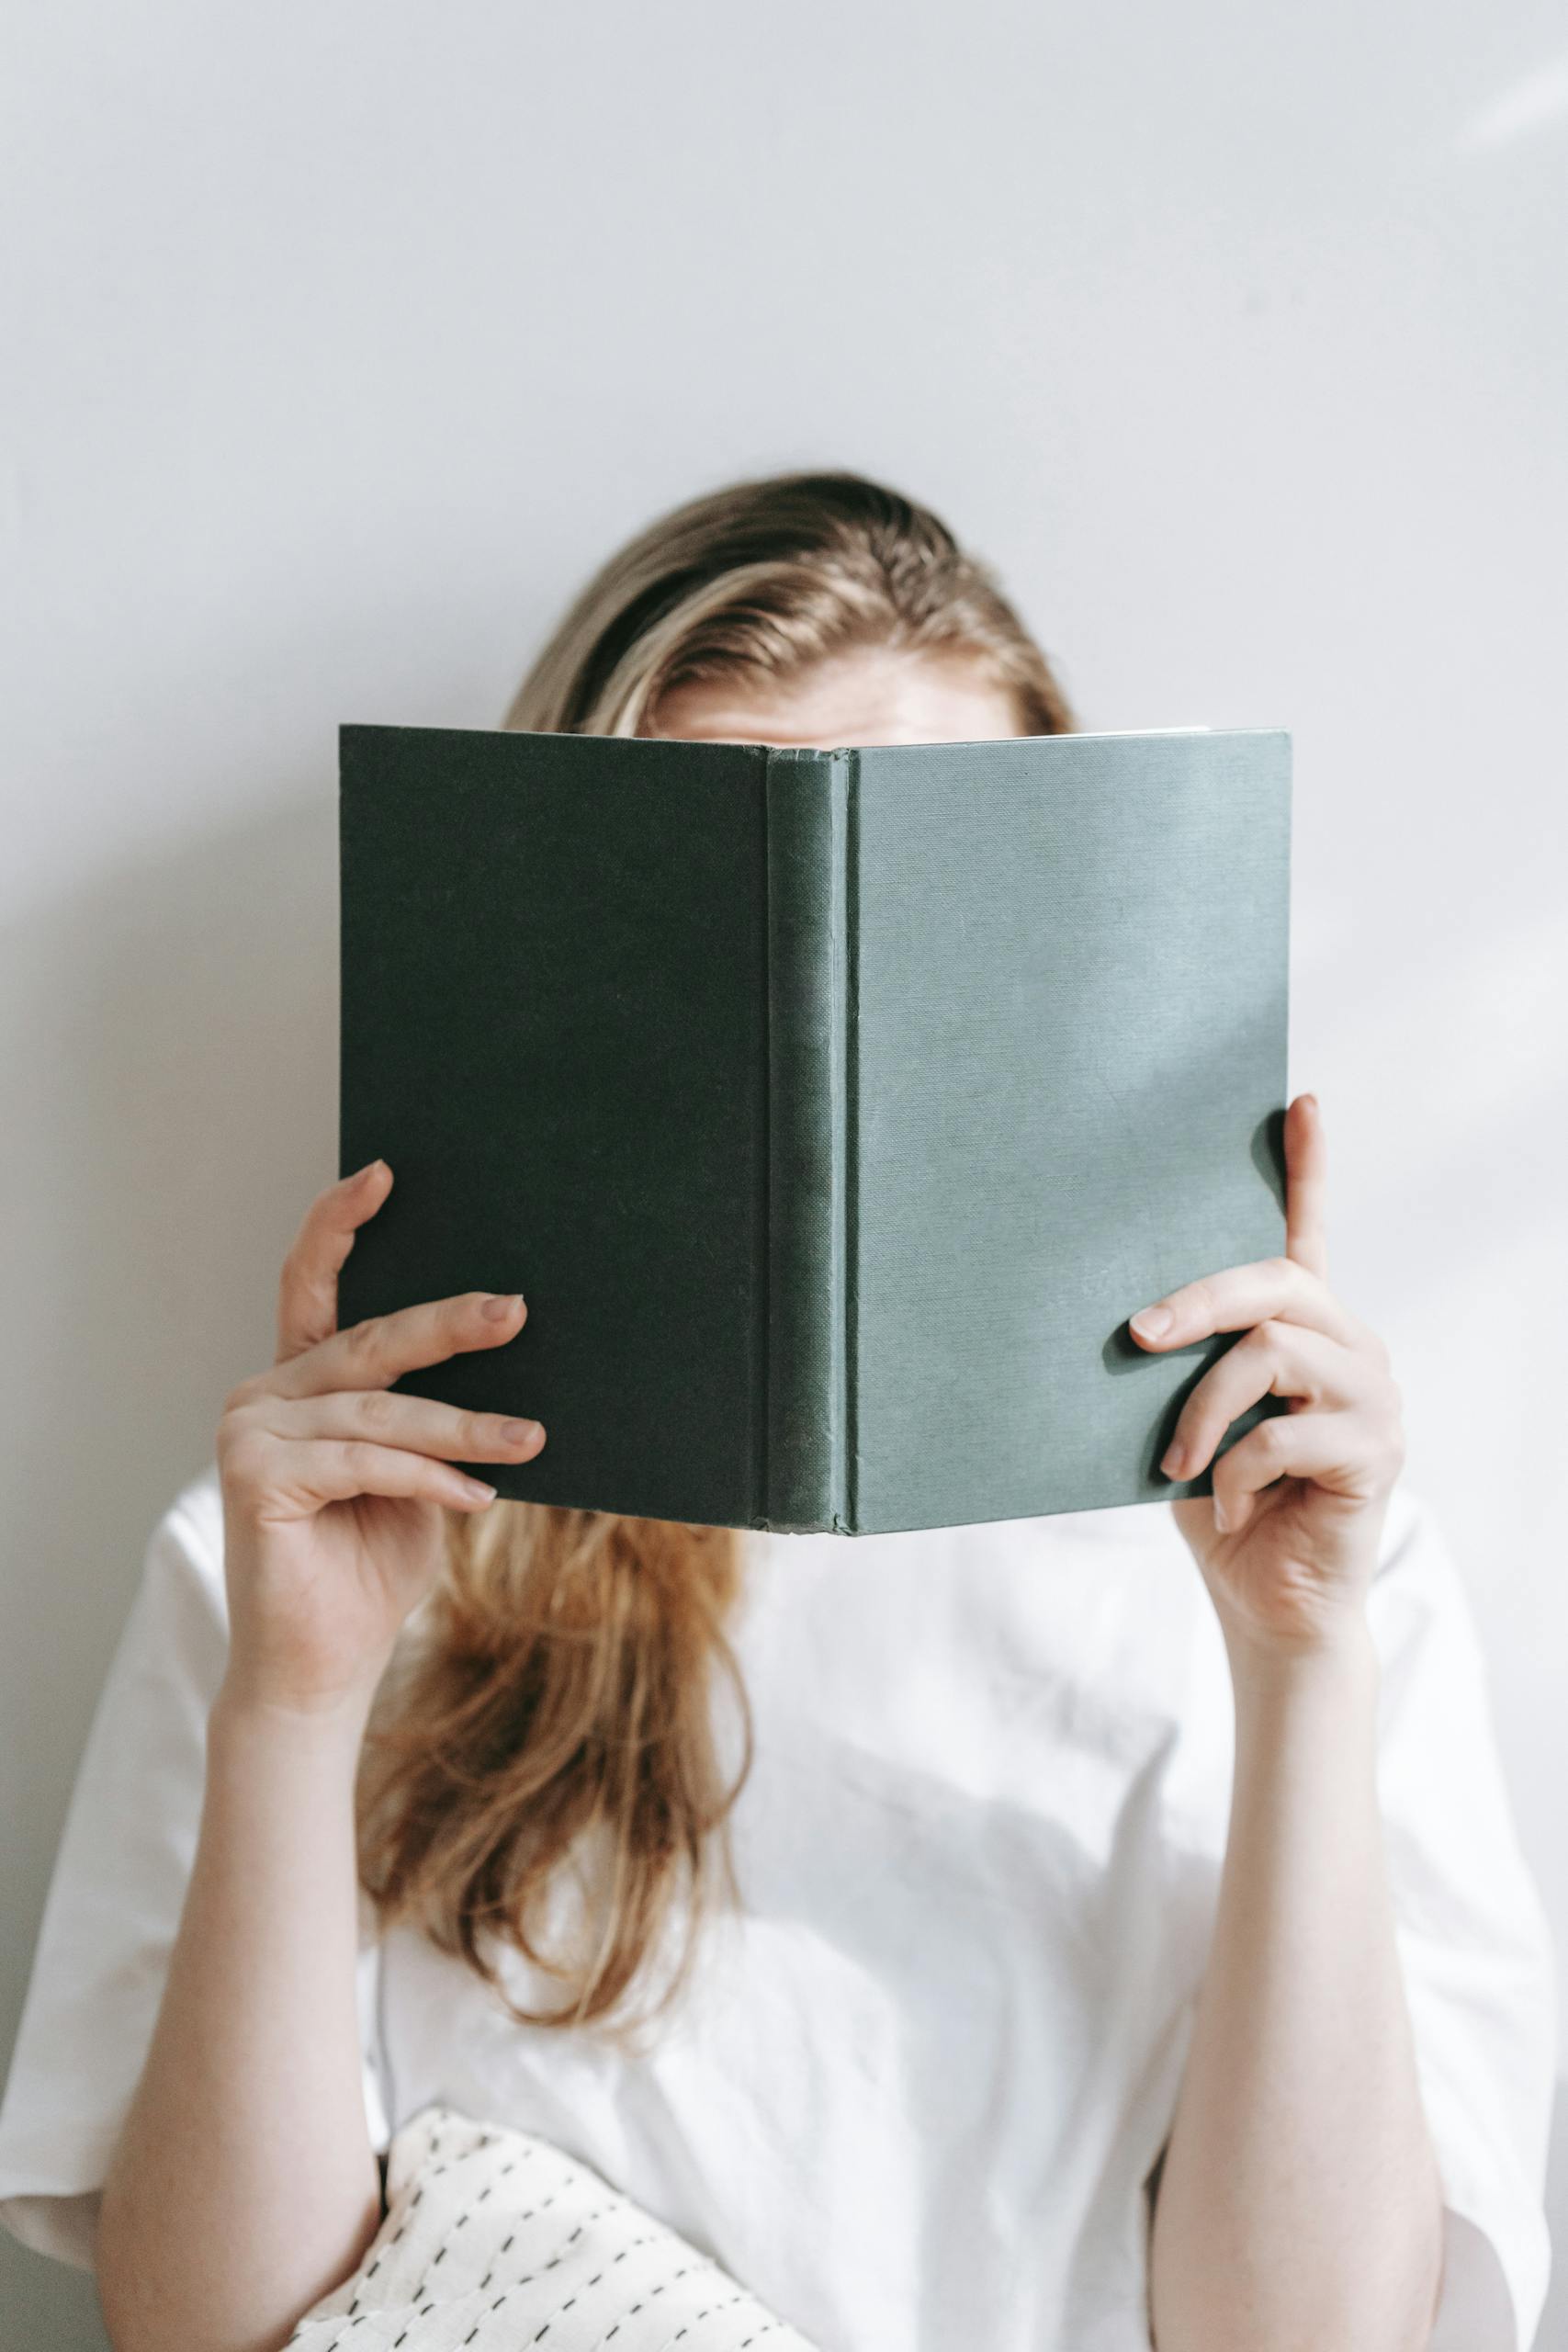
(930, 2065)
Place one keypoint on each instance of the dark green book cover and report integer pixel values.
(831, 1110)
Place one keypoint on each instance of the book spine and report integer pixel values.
(807, 1453)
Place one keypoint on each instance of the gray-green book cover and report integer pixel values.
(831, 1110)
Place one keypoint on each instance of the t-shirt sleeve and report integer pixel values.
(118, 1889)
(1477, 1952)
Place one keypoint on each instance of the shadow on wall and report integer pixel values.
(48, 2306)
(1553, 2334)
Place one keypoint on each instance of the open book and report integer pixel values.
(831, 1110)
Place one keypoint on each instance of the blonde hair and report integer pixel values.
(762, 580)
(554, 1717)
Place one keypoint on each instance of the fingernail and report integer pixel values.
(519, 1432)
(1150, 1321)
(1175, 1456)
(1221, 1518)
(479, 1490)
(368, 1169)
(498, 1308)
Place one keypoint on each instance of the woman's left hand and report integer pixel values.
(1287, 1543)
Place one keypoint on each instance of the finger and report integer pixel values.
(1239, 1295)
(1306, 1184)
(416, 1424)
(307, 1290)
(1345, 1453)
(295, 1481)
(1274, 1359)
(373, 1353)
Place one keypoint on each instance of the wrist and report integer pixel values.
(245, 1713)
(1340, 1659)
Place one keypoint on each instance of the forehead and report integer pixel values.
(875, 696)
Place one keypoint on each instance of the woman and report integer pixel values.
(1124, 1937)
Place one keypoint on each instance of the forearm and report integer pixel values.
(245, 2184)
(1299, 2204)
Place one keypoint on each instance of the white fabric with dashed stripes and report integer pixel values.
(494, 2239)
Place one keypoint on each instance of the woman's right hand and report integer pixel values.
(332, 1486)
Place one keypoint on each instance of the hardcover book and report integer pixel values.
(832, 1110)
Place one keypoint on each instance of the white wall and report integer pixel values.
(343, 339)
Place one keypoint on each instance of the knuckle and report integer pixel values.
(1267, 1344)
(476, 1432)
(242, 1455)
(1271, 1436)
(1199, 1294)
(357, 1458)
(1272, 1336)
(231, 1419)
(378, 1408)
(319, 1212)
(364, 1343)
